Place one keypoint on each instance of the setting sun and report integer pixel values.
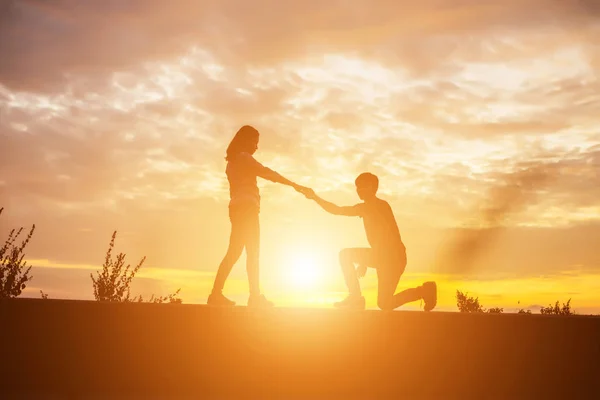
(304, 272)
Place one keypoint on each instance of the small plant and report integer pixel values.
(13, 275)
(44, 295)
(172, 298)
(468, 304)
(114, 282)
(557, 309)
(522, 310)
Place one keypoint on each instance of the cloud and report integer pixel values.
(572, 180)
(68, 38)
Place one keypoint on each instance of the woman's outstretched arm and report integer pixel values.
(273, 176)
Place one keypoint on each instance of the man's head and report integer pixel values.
(366, 185)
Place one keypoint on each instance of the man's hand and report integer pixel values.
(361, 271)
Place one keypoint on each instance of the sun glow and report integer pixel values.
(304, 273)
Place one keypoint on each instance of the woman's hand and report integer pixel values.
(299, 188)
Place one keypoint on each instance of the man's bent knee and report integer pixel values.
(385, 303)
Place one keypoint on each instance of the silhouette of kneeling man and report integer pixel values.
(387, 253)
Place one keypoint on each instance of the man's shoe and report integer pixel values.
(259, 301)
(352, 302)
(429, 290)
(217, 299)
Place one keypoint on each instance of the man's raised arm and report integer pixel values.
(348, 211)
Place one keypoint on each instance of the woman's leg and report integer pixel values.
(234, 251)
(252, 241)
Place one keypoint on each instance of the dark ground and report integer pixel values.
(88, 350)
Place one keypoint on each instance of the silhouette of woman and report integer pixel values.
(244, 208)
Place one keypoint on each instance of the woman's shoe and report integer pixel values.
(259, 301)
(217, 299)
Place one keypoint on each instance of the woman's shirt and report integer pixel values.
(242, 171)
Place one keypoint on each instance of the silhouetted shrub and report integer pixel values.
(468, 304)
(557, 309)
(13, 275)
(114, 283)
(522, 310)
(44, 295)
(172, 298)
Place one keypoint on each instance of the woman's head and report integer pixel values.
(244, 141)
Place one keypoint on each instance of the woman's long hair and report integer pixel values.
(242, 142)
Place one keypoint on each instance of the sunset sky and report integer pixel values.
(115, 115)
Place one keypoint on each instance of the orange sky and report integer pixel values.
(116, 117)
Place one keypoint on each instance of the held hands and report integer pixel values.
(307, 192)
